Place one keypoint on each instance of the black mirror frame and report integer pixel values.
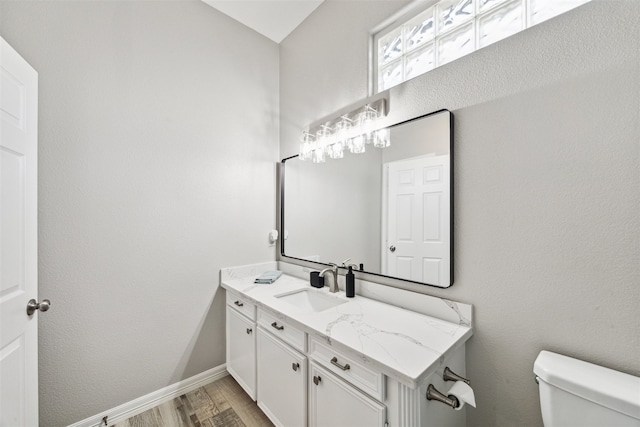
(451, 210)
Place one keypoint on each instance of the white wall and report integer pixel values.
(158, 144)
(547, 189)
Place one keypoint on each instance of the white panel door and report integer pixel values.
(18, 236)
(418, 220)
(241, 350)
(282, 382)
(334, 403)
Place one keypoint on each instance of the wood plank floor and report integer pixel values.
(222, 403)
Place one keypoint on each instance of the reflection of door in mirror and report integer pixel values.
(416, 229)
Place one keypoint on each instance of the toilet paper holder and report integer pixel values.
(434, 394)
(449, 375)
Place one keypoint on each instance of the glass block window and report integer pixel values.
(433, 33)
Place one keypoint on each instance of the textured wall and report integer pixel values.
(547, 189)
(158, 144)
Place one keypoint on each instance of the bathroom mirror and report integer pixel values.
(388, 209)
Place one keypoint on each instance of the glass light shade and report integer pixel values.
(366, 123)
(381, 139)
(369, 137)
(357, 145)
(336, 150)
(367, 119)
(323, 135)
(306, 146)
(319, 155)
(342, 129)
(320, 138)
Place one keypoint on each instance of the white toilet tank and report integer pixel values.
(577, 393)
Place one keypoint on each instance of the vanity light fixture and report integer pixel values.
(352, 131)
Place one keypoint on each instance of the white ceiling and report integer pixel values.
(274, 19)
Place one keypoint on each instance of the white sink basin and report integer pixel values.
(308, 300)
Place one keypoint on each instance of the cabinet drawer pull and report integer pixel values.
(249, 330)
(295, 366)
(275, 325)
(334, 362)
(316, 380)
(238, 303)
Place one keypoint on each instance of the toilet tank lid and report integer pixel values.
(613, 389)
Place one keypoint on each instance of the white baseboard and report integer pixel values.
(155, 398)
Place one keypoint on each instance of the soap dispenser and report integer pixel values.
(350, 287)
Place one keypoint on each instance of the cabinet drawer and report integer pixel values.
(242, 305)
(349, 368)
(283, 330)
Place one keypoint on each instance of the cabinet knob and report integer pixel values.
(316, 379)
(392, 248)
(295, 366)
(249, 330)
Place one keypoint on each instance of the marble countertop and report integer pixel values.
(400, 343)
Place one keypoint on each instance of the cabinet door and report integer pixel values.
(241, 351)
(334, 403)
(282, 382)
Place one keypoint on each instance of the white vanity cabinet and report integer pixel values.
(334, 403)
(282, 381)
(241, 342)
(360, 363)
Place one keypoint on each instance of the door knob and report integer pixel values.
(34, 305)
(392, 248)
